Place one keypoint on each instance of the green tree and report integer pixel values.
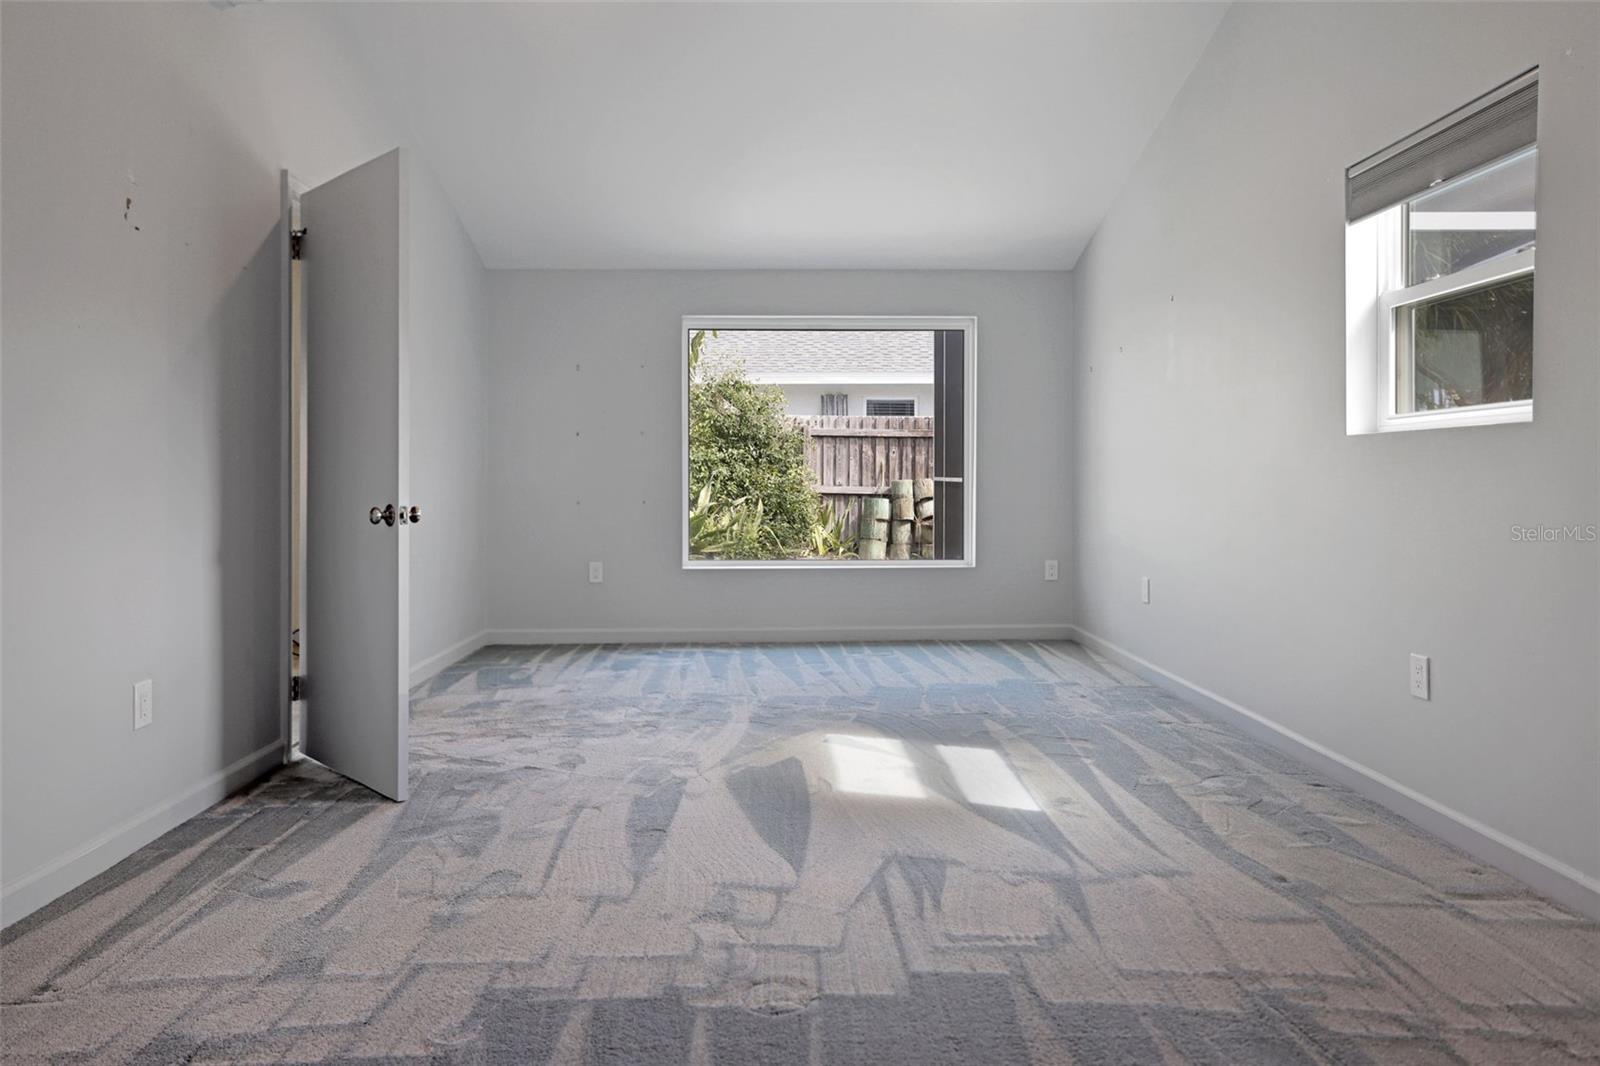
(744, 448)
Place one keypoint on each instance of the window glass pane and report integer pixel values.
(772, 478)
(1470, 348)
(1473, 218)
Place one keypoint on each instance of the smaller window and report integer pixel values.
(1463, 325)
(1439, 270)
(891, 408)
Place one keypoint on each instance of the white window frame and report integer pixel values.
(968, 324)
(868, 401)
(1375, 290)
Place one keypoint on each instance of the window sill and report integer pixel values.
(828, 564)
(1497, 414)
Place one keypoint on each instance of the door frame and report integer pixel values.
(289, 191)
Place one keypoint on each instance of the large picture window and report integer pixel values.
(1440, 270)
(817, 442)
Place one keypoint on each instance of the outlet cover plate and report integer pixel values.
(144, 703)
(1419, 676)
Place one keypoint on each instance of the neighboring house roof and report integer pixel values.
(822, 354)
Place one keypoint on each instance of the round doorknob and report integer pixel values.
(416, 514)
(385, 514)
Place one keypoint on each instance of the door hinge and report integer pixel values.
(297, 243)
(297, 688)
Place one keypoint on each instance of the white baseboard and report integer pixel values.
(423, 669)
(781, 634)
(1544, 873)
(61, 875)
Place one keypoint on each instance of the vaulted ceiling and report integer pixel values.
(984, 136)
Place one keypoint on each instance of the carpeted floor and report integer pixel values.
(892, 855)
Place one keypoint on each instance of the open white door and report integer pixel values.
(358, 463)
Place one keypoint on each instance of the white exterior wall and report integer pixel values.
(806, 399)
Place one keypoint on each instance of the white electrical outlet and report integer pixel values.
(1052, 570)
(597, 573)
(1144, 590)
(1419, 676)
(144, 703)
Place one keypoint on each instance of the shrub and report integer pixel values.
(746, 452)
(727, 529)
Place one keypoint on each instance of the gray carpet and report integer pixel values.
(892, 855)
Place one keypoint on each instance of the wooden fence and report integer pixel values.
(852, 456)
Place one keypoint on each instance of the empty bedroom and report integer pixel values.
(832, 534)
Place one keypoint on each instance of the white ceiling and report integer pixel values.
(930, 136)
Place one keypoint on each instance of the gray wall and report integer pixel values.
(449, 334)
(1295, 568)
(585, 464)
(142, 412)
